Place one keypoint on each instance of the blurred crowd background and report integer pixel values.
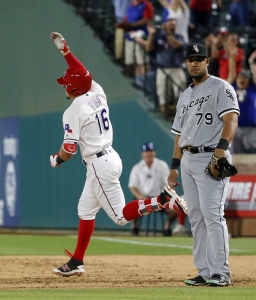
(134, 34)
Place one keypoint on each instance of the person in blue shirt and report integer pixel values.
(138, 14)
(120, 7)
(169, 53)
(245, 87)
(241, 13)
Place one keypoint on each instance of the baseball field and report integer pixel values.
(117, 267)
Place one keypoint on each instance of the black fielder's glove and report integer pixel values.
(219, 168)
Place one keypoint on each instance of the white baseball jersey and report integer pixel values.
(199, 112)
(149, 181)
(87, 122)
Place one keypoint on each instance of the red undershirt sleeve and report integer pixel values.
(73, 62)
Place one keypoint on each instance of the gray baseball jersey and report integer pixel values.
(199, 112)
(198, 122)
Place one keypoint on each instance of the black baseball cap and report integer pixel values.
(196, 50)
(148, 147)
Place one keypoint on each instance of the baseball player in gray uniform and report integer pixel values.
(86, 123)
(205, 124)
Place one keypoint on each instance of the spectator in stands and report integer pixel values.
(179, 10)
(201, 14)
(165, 12)
(240, 12)
(245, 85)
(213, 43)
(231, 45)
(169, 48)
(120, 12)
(147, 177)
(145, 81)
(138, 14)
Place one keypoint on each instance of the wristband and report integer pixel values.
(59, 160)
(175, 163)
(223, 144)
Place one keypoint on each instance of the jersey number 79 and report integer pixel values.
(207, 118)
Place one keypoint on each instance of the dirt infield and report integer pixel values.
(34, 272)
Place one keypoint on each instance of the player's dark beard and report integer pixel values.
(68, 98)
(197, 77)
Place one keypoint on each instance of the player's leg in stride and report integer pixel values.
(72, 267)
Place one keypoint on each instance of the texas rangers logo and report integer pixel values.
(71, 148)
(195, 48)
(68, 129)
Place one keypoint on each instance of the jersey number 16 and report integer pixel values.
(102, 120)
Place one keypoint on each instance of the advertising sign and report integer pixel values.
(241, 200)
(9, 172)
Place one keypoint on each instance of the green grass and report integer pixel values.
(174, 293)
(22, 244)
(14, 244)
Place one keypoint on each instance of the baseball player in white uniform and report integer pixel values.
(86, 123)
(146, 179)
(205, 124)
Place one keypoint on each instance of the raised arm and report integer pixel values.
(149, 46)
(219, 3)
(61, 44)
(183, 5)
(252, 64)
(214, 46)
(164, 3)
(231, 64)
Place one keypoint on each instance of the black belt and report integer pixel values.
(101, 153)
(194, 150)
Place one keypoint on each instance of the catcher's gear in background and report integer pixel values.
(76, 82)
(219, 168)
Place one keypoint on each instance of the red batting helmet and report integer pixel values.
(76, 82)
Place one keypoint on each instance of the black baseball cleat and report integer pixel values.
(197, 281)
(135, 231)
(167, 232)
(169, 196)
(218, 280)
(72, 267)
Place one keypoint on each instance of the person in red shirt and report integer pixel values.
(231, 45)
(213, 42)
